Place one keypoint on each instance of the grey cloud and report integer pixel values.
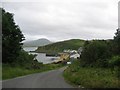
(64, 19)
(119, 14)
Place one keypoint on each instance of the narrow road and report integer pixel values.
(50, 79)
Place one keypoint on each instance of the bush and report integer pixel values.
(27, 61)
(95, 53)
(91, 77)
(114, 61)
(24, 59)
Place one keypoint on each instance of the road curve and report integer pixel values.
(50, 79)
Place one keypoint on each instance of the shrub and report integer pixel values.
(114, 61)
(88, 77)
(95, 53)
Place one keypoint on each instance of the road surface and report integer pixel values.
(50, 79)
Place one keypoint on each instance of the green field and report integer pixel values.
(9, 72)
(60, 46)
(91, 77)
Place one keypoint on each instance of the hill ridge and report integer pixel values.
(36, 43)
(60, 46)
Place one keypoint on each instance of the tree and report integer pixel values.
(117, 41)
(95, 53)
(11, 38)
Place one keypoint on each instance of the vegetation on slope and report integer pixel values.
(15, 71)
(60, 46)
(15, 61)
(0, 71)
(99, 65)
(91, 77)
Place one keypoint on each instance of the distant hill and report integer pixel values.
(36, 43)
(60, 46)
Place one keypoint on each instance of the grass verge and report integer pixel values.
(9, 72)
(0, 71)
(91, 77)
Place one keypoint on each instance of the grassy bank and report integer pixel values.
(9, 72)
(0, 71)
(91, 77)
(60, 46)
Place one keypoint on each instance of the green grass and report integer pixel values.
(91, 77)
(0, 71)
(60, 46)
(9, 72)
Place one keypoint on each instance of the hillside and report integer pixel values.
(36, 43)
(60, 46)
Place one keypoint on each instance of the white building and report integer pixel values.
(75, 56)
(80, 50)
(73, 53)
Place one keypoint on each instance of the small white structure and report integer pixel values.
(68, 63)
(70, 51)
(80, 50)
(67, 51)
(75, 56)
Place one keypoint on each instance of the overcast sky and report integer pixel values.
(65, 19)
